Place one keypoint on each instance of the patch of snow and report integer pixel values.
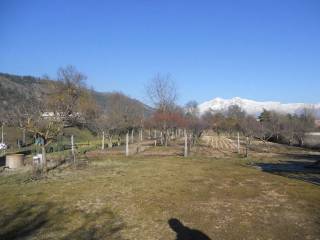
(255, 107)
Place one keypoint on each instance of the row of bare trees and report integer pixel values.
(168, 118)
(68, 102)
(119, 116)
(268, 126)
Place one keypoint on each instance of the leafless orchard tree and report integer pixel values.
(67, 103)
(194, 123)
(162, 92)
(68, 94)
(122, 114)
(192, 109)
(297, 125)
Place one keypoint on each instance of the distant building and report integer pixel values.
(53, 116)
(48, 115)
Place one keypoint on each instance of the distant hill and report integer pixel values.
(103, 97)
(255, 107)
(15, 90)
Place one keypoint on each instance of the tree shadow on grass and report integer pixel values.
(103, 225)
(304, 167)
(312, 158)
(25, 221)
(47, 221)
(185, 233)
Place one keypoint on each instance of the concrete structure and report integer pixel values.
(312, 139)
(15, 161)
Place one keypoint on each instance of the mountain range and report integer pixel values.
(255, 108)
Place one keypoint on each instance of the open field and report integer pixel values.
(160, 120)
(113, 197)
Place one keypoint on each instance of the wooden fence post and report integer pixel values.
(247, 143)
(127, 144)
(132, 136)
(44, 159)
(2, 135)
(185, 143)
(24, 136)
(238, 145)
(72, 149)
(102, 144)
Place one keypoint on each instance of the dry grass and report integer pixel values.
(133, 198)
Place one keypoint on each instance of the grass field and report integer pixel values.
(114, 197)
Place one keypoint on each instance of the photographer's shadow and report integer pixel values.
(185, 233)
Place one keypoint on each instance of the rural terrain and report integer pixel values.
(272, 194)
(159, 120)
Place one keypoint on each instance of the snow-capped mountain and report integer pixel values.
(255, 107)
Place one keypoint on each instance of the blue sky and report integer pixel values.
(259, 49)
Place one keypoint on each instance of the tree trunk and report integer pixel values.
(300, 141)
(24, 137)
(44, 159)
(190, 141)
(119, 140)
(72, 150)
(185, 144)
(102, 143)
(238, 145)
(247, 145)
(2, 135)
(140, 141)
(110, 142)
(166, 138)
(132, 136)
(127, 144)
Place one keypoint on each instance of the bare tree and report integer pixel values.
(68, 95)
(163, 94)
(288, 128)
(191, 109)
(303, 123)
(122, 114)
(194, 123)
(68, 102)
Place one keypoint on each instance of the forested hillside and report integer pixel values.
(15, 90)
